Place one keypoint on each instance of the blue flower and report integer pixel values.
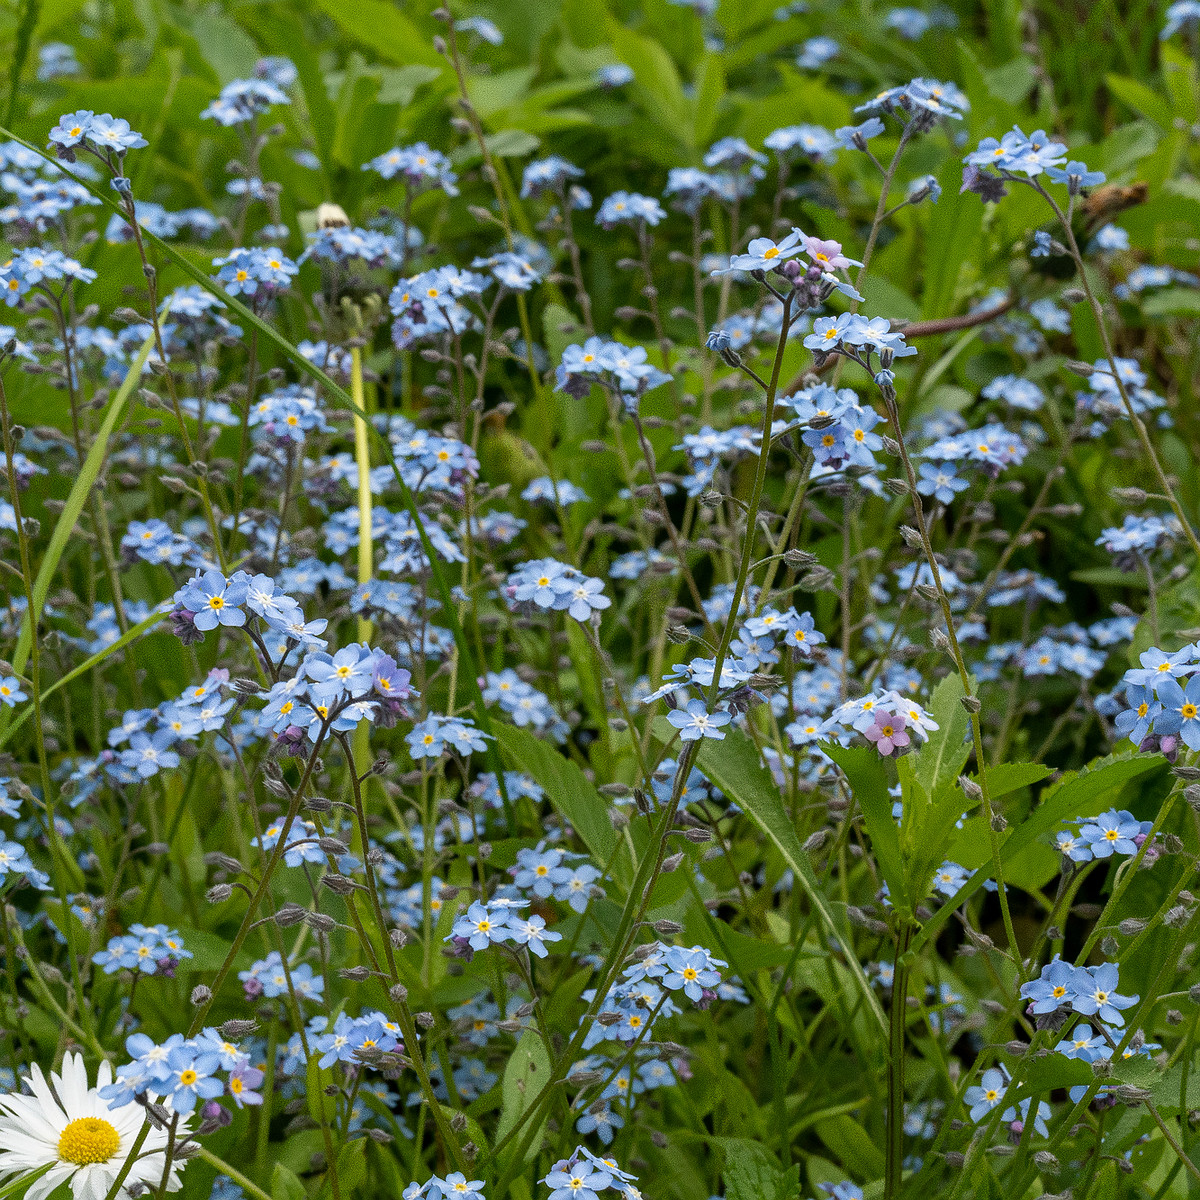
(481, 926)
(1111, 833)
(192, 1077)
(10, 691)
(1053, 988)
(577, 1182)
(1076, 176)
(763, 254)
(987, 1093)
(214, 600)
(627, 208)
(1181, 710)
(696, 722)
(1096, 994)
(940, 480)
(532, 932)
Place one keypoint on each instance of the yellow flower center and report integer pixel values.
(689, 973)
(1143, 709)
(76, 130)
(216, 602)
(1187, 712)
(773, 252)
(88, 1140)
(188, 1077)
(235, 1085)
(1059, 992)
(242, 276)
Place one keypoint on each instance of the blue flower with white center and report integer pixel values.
(941, 481)
(113, 133)
(192, 1078)
(690, 971)
(1135, 721)
(1096, 995)
(1077, 850)
(336, 1045)
(1111, 833)
(482, 925)
(532, 932)
(696, 722)
(987, 1093)
(214, 600)
(1181, 710)
(627, 208)
(1055, 987)
(575, 884)
(1076, 176)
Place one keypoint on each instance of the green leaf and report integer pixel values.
(710, 90)
(1012, 777)
(863, 769)
(73, 507)
(851, 1143)
(134, 632)
(1141, 99)
(751, 1171)
(567, 789)
(527, 1072)
(352, 1165)
(658, 83)
(1171, 302)
(385, 29)
(734, 766)
(1078, 794)
(940, 760)
(286, 1185)
(511, 143)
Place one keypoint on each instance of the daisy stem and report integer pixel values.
(202, 1152)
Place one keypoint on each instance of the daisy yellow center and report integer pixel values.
(88, 1140)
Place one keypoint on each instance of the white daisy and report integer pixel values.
(67, 1127)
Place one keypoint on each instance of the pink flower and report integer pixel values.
(827, 255)
(888, 732)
